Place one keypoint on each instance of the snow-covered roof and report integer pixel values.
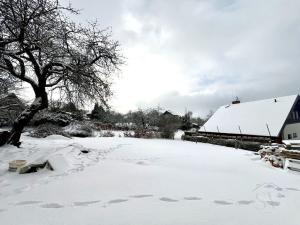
(252, 118)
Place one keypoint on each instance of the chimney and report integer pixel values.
(236, 101)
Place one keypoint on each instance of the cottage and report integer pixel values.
(276, 118)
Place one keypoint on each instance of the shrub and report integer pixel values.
(144, 133)
(107, 133)
(56, 118)
(168, 125)
(167, 133)
(46, 130)
(128, 134)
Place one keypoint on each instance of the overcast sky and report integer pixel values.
(200, 54)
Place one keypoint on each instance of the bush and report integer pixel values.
(99, 126)
(167, 133)
(46, 130)
(79, 130)
(128, 134)
(107, 133)
(168, 125)
(144, 133)
(56, 118)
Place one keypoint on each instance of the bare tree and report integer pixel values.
(39, 45)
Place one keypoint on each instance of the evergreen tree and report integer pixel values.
(98, 113)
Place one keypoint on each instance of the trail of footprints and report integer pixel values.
(259, 189)
(122, 200)
(54, 205)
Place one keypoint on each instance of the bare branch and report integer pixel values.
(41, 46)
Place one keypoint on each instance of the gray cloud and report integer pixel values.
(212, 50)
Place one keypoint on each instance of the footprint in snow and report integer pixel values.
(165, 199)
(272, 186)
(292, 189)
(140, 196)
(245, 202)
(22, 189)
(117, 201)
(85, 203)
(279, 195)
(220, 202)
(143, 163)
(278, 188)
(2, 210)
(273, 203)
(28, 202)
(268, 186)
(192, 198)
(52, 206)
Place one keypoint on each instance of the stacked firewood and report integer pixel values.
(276, 154)
(272, 154)
(292, 154)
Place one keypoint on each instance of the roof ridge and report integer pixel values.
(259, 100)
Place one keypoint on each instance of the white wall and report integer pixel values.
(291, 129)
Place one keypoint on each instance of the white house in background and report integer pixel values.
(278, 118)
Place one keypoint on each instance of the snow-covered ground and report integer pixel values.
(127, 181)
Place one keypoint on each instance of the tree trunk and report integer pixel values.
(25, 117)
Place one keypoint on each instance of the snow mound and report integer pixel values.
(79, 130)
(178, 134)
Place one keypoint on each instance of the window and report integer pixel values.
(289, 136)
(294, 135)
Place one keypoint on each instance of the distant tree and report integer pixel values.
(168, 125)
(39, 45)
(139, 118)
(198, 120)
(143, 117)
(70, 107)
(153, 117)
(76, 113)
(209, 115)
(186, 120)
(55, 105)
(114, 117)
(98, 113)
